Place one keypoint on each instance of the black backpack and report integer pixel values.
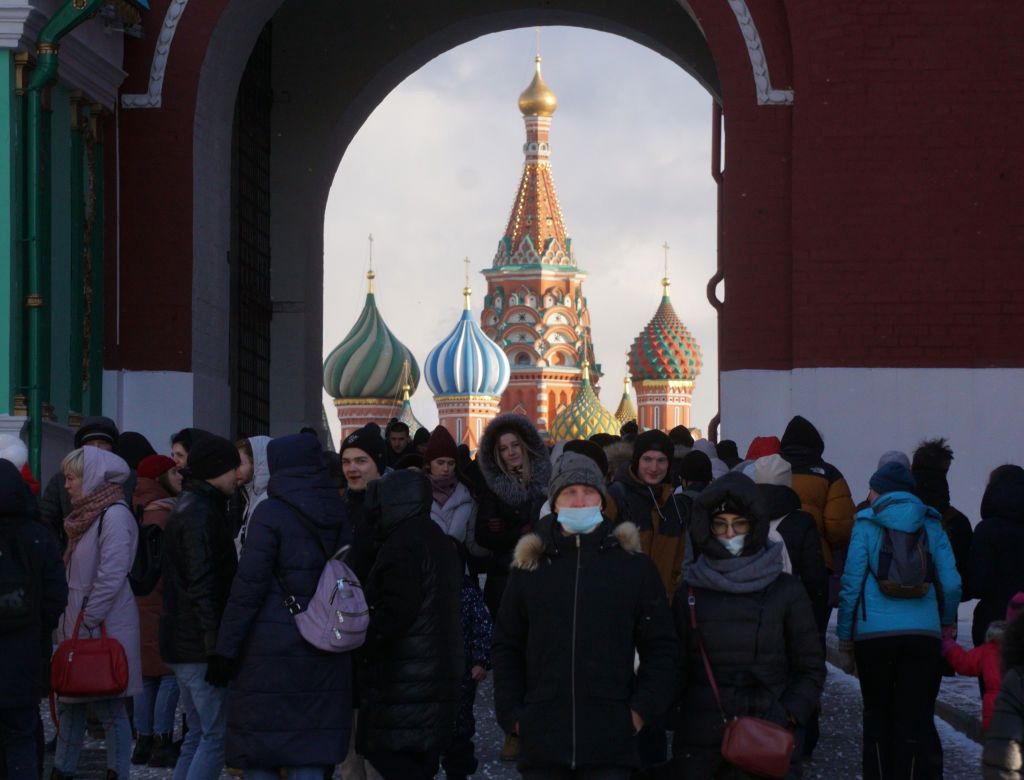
(906, 569)
(19, 584)
(146, 567)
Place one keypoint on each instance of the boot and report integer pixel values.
(510, 750)
(143, 749)
(164, 754)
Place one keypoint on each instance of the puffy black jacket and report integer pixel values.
(25, 649)
(1003, 755)
(199, 564)
(803, 543)
(308, 691)
(575, 611)
(410, 669)
(995, 572)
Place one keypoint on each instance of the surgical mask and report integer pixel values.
(733, 545)
(580, 519)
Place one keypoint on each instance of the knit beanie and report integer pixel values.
(695, 466)
(763, 445)
(651, 440)
(892, 456)
(1016, 605)
(369, 440)
(93, 428)
(440, 445)
(212, 456)
(892, 477)
(574, 468)
(153, 466)
(773, 470)
(591, 450)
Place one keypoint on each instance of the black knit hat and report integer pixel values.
(695, 466)
(369, 440)
(591, 449)
(212, 456)
(93, 428)
(651, 440)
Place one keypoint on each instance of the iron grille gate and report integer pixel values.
(250, 256)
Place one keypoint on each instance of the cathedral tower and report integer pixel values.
(534, 308)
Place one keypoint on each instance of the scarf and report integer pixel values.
(745, 574)
(443, 488)
(87, 510)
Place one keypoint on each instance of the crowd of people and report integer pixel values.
(645, 602)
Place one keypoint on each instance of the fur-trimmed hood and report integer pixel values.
(534, 546)
(501, 484)
(1013, 643)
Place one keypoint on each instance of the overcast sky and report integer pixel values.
(433, 173)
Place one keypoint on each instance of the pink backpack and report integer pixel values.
(336, 617)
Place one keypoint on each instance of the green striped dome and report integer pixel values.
(368, 363)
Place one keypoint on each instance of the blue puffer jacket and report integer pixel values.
(885, 615)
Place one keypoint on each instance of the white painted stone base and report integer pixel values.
(154, 403)
(862, 412)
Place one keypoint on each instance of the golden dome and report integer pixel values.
(537, 99)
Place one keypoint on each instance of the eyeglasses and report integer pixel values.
(720, 527)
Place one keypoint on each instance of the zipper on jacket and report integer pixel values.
(572, 684)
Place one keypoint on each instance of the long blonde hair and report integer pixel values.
(525, 477)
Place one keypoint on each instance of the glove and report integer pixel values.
(220, 670)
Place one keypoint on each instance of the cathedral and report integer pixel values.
(532, 352)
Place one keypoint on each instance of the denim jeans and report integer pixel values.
(18, 738)
(155, 706)
(202, 752)
(113, 714)
(294, 773)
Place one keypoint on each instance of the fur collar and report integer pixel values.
(507, 488)
(532, 546)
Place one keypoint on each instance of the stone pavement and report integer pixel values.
(837, 756)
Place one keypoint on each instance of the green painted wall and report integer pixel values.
(58, 303)
(9, 310)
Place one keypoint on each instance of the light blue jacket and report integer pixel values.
(882, 615)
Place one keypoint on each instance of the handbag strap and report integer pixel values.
(692, 602)
(290, 602)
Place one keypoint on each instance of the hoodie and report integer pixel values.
(864, 611)
(255, 492)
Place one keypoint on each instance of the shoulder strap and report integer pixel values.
(692, 602)
(309, 526)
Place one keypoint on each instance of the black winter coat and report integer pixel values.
(24, 673)
(575, 610)
(199, 564)
(996, 571)
(1003, 755)
(291, 704)
(410, 669)
(803, 543)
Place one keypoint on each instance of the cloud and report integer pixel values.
(433, 171)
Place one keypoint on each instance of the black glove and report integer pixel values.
(220, 670)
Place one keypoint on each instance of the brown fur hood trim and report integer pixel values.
(530, 548)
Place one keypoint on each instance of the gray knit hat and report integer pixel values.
(576, 469)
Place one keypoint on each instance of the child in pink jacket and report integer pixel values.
(984, 661)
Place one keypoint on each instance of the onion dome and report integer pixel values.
(467, 362)
(369, 362)
(406, 416)
(538, 99)
(584, 416)
(665, 349)
(626, 410)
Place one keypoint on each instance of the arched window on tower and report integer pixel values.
(531, 301)
(513, 300)
(522, 359)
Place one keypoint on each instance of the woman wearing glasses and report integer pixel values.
(756, 626)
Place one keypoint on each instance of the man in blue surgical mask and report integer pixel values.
(582, 602)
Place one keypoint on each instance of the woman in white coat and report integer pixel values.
(102, 537)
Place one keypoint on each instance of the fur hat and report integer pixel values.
(369, 440)
(93, 428)
(440, 445)
(212, 456)
(574, 468)
(892, 477)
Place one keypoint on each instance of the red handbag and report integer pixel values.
(757, 746)
(89, 668)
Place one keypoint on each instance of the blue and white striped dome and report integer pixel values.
(467, 362)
